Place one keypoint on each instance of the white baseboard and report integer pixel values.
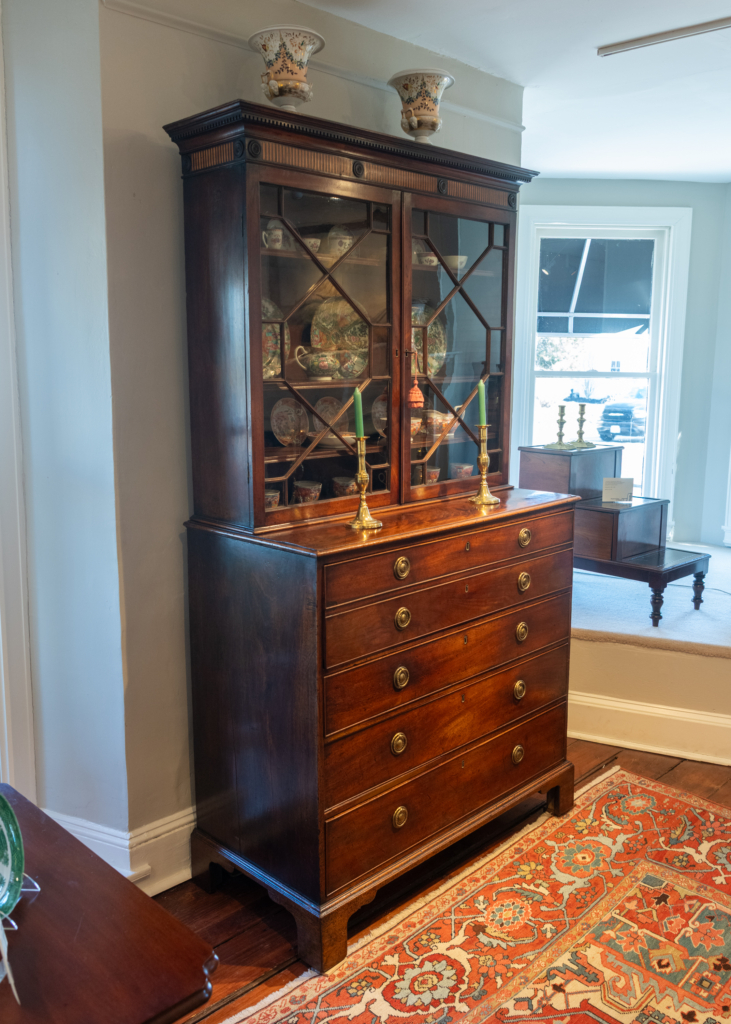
(696, 735)
(156, 856)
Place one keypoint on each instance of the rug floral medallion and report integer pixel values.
(618, 912)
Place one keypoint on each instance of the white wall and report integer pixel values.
(59, 263)
(704, 444)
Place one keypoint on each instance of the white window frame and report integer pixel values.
(670, 227)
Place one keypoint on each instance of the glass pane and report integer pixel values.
(331, 224)
(617, 276)
(381, 218)
(269, 198)
(616, 412)
(287, 274)
(329, 339)
(418, 222)
(434, 421)
(559, 268)
(496, 352)
(557, 324)
(627, 351)
(499, 235)
(363, 277)
(459, 241)
(485, 287)
(607, 325)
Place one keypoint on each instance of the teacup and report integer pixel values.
(436, 421)
(344, 485)
(416, 425)
(271, 499)
(461, 470)
(339, 240)
(351, 363)
(306, 491)
(456, 263)
(317, 364)
(432, 474)
(428, 259)
(313, 244)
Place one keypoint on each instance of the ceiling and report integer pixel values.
(659, 112)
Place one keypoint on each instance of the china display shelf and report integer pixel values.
(335, 382)
(447, 440)
(468, 379)
(325, 259)
(293, 451)
(433, 268)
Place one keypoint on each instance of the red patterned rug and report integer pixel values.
(619, 912)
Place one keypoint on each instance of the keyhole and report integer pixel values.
(463, 764)
(467, 546)
(466, 588)
(465, 639)
(463, 698)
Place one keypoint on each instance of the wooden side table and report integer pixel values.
(657, 568)
(90, 946)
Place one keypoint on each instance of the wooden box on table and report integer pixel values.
(361, 699)
(614, 530)
(576, 471)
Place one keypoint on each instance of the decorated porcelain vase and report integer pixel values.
(286, 50)
(421, 91)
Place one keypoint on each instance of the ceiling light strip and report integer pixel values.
(664, 37)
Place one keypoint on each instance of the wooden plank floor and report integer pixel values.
(256, 940)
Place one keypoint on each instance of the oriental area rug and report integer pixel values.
(618, 913)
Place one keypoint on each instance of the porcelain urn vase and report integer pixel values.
(286, 50)
(421, 91)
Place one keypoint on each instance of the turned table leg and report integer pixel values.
(698, 588)
(656, 602)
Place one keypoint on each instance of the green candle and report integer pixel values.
(358, 403)
(481, 396)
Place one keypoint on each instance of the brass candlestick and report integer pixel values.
(561, 420)
(580, 442)
(364, 520)
(483, 496)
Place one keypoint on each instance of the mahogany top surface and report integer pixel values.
(257, 115)
(613, 507)
(91, 946)
(404, 523)
(572, 452)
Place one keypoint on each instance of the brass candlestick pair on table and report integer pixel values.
(365, 521)
(570, 445)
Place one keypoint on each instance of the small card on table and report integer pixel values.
(617, 488)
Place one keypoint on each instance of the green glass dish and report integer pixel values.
(12, 859)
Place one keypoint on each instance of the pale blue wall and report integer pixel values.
(705, 403)
(59, 265)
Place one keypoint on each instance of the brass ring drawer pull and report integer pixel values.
(402, 618)
(518, 754)
(398, 743)
(521, 632)
(400, 817)
(401, 568)
(519, 690)
(524, 537)
(523, 581)
(400, 678)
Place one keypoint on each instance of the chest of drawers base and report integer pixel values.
(345, 729)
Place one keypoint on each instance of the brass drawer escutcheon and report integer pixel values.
(402, 618)
(518, 754)
(401, 567)
(523, 581)
(398, 743)
(400, 816)
(521, 632)
(524, 537)
(400, 678)
(519, 690)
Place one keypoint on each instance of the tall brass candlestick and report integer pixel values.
(561, 420)
(364, 520)
(580, 442)
(483, 496)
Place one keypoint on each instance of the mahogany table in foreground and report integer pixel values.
(91, 948)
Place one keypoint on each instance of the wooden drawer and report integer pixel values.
(371, 628)
(365, 577)
(362, 693)
(362, 839)
(411, 738)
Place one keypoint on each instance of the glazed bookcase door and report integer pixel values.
(321, 302)
(458, 278)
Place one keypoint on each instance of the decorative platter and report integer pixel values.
(12, 860)
(289, 422)
(332, 440)
(337, 326)
(379, 414)
(436, 337)
(329, 408)
(270, 352)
